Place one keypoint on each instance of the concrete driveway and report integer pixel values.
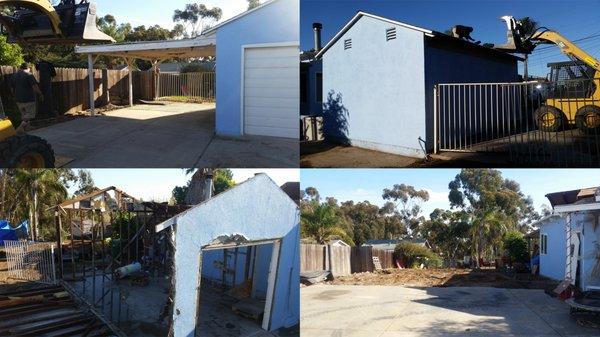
(175, 135)
(392, 311)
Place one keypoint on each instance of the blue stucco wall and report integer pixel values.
(455, 65)
(377, 89)
(257, 209)
(552, 265)
(260, 278)
(312, 106)
(277, 22)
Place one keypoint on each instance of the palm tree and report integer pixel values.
(487, 231)
(321, 223)
(39, 187)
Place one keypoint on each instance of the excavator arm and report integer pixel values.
(41, 6)
(567, 47)
(38, 22)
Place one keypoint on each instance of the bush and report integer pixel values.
(516, 247)
(412, 255)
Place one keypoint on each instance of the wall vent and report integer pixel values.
(347, 44)
(390, 34)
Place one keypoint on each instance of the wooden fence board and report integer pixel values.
(343, 260)
(70, 87)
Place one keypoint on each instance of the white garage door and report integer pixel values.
(271, 91)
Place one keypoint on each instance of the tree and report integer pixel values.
(222, 180)
(448, 234)
(86, 183)
(197, 17)
(253, 4)
(39, 187)
(320, 223)
(408, 202)
(10, 54)
(311, 193)
(195, 190)
(179, 193)
(494, 204)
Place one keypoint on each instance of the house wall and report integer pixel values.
(277, 22)
(377, 89)
(454, 65)
(552, 265)
(260, 278)
(257, 209)
(312, 106)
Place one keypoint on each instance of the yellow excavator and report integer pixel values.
(573, 97)
(28, 22)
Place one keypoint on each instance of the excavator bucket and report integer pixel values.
(516, 43)
(37, 21)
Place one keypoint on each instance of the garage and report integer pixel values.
(257, 70)
(271, 90)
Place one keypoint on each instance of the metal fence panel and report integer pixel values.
(31, 261)
(532, 123)
(190, 85)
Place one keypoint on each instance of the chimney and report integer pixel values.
(317, 27)
(208, 181)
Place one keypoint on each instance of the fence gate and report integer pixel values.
(199, 86)
(529, 123)
(31, 261)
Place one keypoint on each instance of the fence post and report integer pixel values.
(435, 119)
(53, 265)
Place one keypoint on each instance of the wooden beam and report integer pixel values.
(273, 274)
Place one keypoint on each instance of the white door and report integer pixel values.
(271, 91)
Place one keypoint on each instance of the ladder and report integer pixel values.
(570, 246)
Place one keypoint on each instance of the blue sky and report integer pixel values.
(151, 12)
(574, 18)
(361, 185)
(157, 184)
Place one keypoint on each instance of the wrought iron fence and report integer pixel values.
(188, 85)
(553, 124)
(31, 261)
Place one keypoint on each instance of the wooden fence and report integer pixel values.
(342, 260)
(70, 88)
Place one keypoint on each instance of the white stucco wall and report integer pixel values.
(552, 264)
(257, 209)
(381, 86)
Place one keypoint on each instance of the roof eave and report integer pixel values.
(239, 16)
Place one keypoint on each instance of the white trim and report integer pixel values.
(201, 41)
(273, 270)
(165, 224)
(357, 17)
(239, 16)
(576, 208)
(243, 72)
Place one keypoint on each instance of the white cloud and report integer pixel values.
(437, 196)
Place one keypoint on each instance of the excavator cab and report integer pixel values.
(39, 22)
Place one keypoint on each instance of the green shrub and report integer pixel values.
(516, 247)
(412, 255)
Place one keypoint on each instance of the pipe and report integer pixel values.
(317, 28)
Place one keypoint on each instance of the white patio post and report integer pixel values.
(91, 83)
(130, 76)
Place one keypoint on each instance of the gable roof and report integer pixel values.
(227, 194)
(94, 194)
(570, 197)
(359, 16)
(441, 37)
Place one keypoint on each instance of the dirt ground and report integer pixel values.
(446, 278)
(326, 155)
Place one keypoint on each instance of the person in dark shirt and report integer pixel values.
(25, 88)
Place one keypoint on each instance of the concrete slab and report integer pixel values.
(392, 311)
(174, 135)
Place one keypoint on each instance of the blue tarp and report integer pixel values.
(7, 232)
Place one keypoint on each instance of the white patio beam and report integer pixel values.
(577, 208)
(91, 83)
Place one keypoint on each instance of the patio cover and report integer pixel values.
(153, 51)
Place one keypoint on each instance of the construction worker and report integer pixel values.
(25, 88)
